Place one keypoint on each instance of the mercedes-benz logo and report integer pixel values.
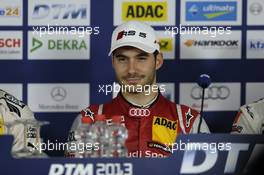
(256, 8)
(58, 93)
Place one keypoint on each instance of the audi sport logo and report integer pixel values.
(213, 92)
(139, 112)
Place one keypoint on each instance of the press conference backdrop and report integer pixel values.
(49, 63)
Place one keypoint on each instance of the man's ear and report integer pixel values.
(159, 60)
(112, 60)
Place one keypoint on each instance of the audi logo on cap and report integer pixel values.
(139, 112)
(213, 92)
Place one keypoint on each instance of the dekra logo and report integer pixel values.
(59, 44)
(35, 44)
(151, 11)
(165, 122)
(59, 11)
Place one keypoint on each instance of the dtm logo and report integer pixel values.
(70, 168)
(211, 11)
(139, 112)
(59, 11)
(10, 42)
(243, 156)
(213, 93)
(130, 33)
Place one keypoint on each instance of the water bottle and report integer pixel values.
(118, 136)
(100, 136)
(83, 137)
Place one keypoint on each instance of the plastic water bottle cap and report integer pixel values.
(100, 117)
(87, 120)
(116, 119)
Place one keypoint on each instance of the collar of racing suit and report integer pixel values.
(148, 105)
(1, 125)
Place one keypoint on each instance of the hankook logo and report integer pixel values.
(212, 43)
(58, 93)
(138, 112)
(213, 92)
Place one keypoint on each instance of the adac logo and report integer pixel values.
(164, 131)
(211, 11)
(145, 11)
(59, 11)
(59, 45)
(10, 12)
(166, 44)
(165, 122)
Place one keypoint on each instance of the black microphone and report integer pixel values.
(204, 81)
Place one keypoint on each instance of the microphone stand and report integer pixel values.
(201, 112)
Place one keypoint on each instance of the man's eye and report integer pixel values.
(121, 59)
(142, 58)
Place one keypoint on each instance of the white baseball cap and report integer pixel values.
(135, 34)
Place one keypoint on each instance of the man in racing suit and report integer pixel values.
(152, 121)
(250, 119)
(11, 109)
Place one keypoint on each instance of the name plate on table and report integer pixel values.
(192, 154)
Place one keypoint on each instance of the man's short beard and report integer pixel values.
(135, 89)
